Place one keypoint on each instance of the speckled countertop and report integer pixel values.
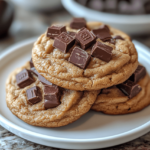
(23, 28)
(9, 141)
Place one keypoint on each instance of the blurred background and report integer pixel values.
(23, 19)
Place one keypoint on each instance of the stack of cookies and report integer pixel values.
(74, 68)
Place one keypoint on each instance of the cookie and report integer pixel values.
(73, 104)
(94, 73)
(113, 101)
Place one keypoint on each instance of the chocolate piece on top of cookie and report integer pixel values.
(139, 73)
(32, 68)
(34, 95)
(130, 88)
(64, 42)
(51, 96)
(55, 30)
(118, 37)
(79, 57)
(34, 71)
(112, 41)
(73, 34)
(85, 38)
(43, 80)
(78, 23)
(31, 63)
(102, 33)
(102, 51)
(24, 78)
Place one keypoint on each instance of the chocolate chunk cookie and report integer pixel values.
(97, 72)
(43, 104)
(113, 101)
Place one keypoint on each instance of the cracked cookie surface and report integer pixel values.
(73, 105)
(54, 66)
(113, 101)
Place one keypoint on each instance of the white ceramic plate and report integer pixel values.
(93, 130)
(131, 24)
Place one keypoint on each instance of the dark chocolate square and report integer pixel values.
(102, 33)
(55, 30)
(79, 57)
(24, 78)
(78, 23)
(118, 37)
(43, 80)
(130, 88)
(34, 95)
(51, 96)
(139, 73)
(64, 42)
(31, 63)
(102, 51)
(34, 71)
(85, 38)
(73, 34)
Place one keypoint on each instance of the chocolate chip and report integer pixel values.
(130, 88)
(43, 80)
(55, 30)
(64, 42)
(85, 38)
(79, 57)
(78, 23)
(102, 32)
(34, 71)
(139, 73)
(118, 37)
(112, 41)
(24, 78)
(34, 95)
(73, 34)
(102, 51)
(51, 96)
(31, 63)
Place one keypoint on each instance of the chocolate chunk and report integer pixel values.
(73, 34)
(43, 80)
(102, 51)
(31, 63)
(139, 73)
(55, 30)
(24, 78)
(85, 38)
(64, 42)
(112, 41)
(51, 96)
(79, 57)
(102, 32)
(118, 37)
(130, 88)
(34, 95)
(78, 23)
(34, 71)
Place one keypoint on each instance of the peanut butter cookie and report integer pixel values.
(113, 101)
(29, 100)
(103, 60)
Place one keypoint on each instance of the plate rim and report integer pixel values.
(13, 127)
